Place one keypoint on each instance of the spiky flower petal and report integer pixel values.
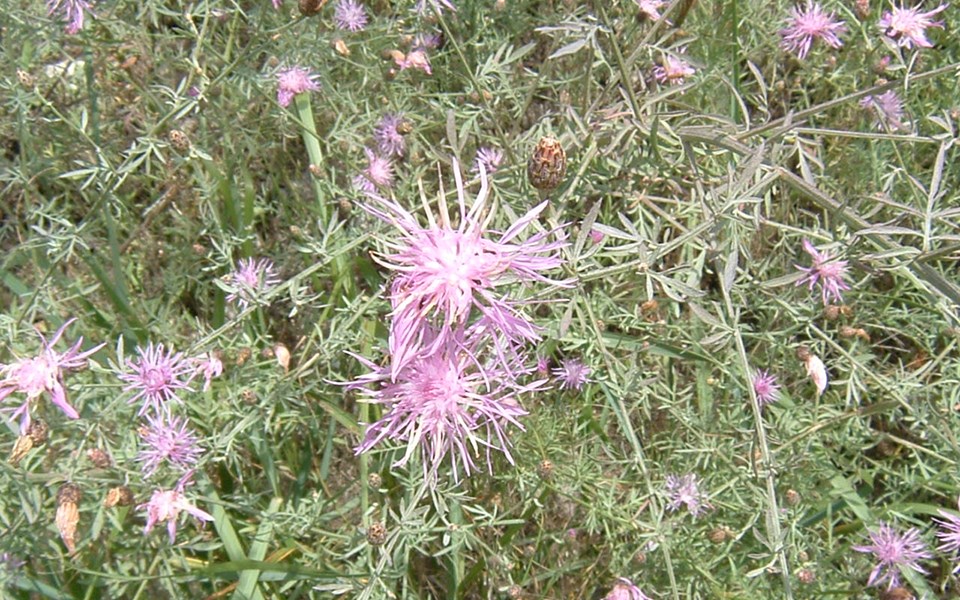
(895, 552)
(157, 375)
(908, 26)
(826, 271)
(805, 25)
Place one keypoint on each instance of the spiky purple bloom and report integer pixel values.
(672, 70)
(572, 374)
(166, 505)
(445, 405)
(292, 81)
(443, 272)
(377, 174)
(806, 25)
(350, 15)
(765, 387)
(650, 8)
(210, 366)
(826, 271)
(390, 142)
(624, 589)
(438, 5)
(685, 491)
(250, 281)
(894, 552)
(72, 10)
(44, 373)
(489, 159)
(908, 26)
(949, 535)
(157, 375)
(887, 108)
(168, 439)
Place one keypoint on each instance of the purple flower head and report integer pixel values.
(166, 505)
(673, 70)
(887, 108)
(168, 439)
(210, 366)
(894, 552)
(488, 159)
(949, 535)
(445, 405)
(72, 10)
(543, 365)
(572, 374)
(350, 15)
(625, 590)
(44, 373)
(827, 272)
(907, 26)
(378, 174)
(650, 9)
(390, 142)
(807, 24)
(293, 81)
(765, 387)
(445, 274)
(685, 491)
(252, 279)
(157, 376)
(439, 6)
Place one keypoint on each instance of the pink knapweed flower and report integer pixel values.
(807, 24)
(572, 374)
(887, 108)
(488, 159)
(210, 366)
(293, 81)
(624, 589)
(168, 439)
(949, 535)
(443, 272)
(907, 26)
(672, 70)
(596, 236)
(390, 141)
(44, 373)
(250, 281)
(166, 505)
(685, 491)
(765, 387)
(826, 271)
(417, 58)
(650, 9)
(157, 375)
(894, 552)
(350, 15)
(378, 174)
(445, 405)
(72, 10)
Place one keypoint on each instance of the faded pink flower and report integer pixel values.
(685, 491)
(907, 26)
(168, 439)
(350, 15)
(765, 388)
(157, 375)
(166, 505)
(650, 8)
(72, 10)
(949, 535)
(894, 552)
(817, 372)
(572, 374)
(378, 174)
(826, 271)
(807, 24)
(390, 141)
(624, 589)
(488, 159)
(44, 373)
(293, 81)
(443, 272)
(210, 366)
(672, 70)
(250, 281)
(444, 405)
(887, 108)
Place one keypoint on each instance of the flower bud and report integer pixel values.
(118, 496)
(547, 164)
(377, 534)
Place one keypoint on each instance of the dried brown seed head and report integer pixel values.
(547, 164)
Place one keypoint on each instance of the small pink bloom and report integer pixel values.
(887, 108)
(907, 26)
(949, 535)
(390, 141)
(415, 59)
(210, 366)
(572, 374)
(817, 372)
(44, 373)
(157, 375)
(293, 81)
(895, 553)
(166, 505)
(685, 491)
(250, 281)
(350, 15)
(673, 70)
(489, 159)
(72, 10)
(167, 439)
(806, 25)
(765, 388)
(826, 271)
(624, 589)
(596, 236)
(378, 174)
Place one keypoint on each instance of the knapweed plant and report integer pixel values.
(624, 300)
